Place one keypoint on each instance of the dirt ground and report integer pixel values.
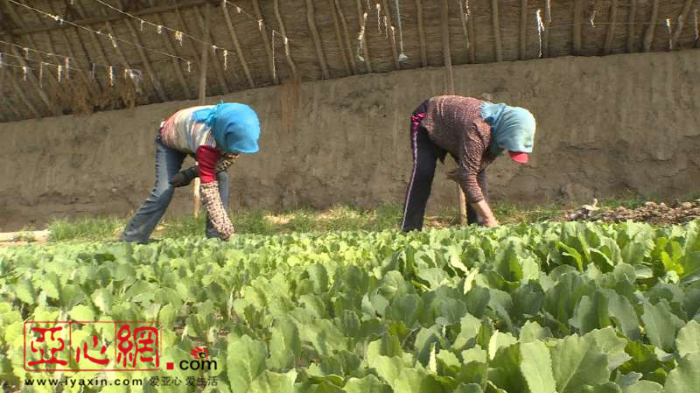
(651, 212)
(606, 126)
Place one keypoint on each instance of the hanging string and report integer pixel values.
(41, 74)
(402, 55)
(670, 33)
(26, 50)
(111, 76)
(114, 39)
(592, 18)
(160, 28)
(540, 28)
(66, 65)
(379, 18)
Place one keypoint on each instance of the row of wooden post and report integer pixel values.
(449, 88)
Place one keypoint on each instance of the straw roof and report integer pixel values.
(115, 60)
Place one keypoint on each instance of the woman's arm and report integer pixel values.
(207, 158)
(471, 156)
(484, 210)
(482, 207)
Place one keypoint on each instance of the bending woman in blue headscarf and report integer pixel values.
(215, 135)
(475, 133)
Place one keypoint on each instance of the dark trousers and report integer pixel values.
(425, 156)
(168, 164)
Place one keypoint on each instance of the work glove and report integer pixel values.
(216, 210)
(185, 177)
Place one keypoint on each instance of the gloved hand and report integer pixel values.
(185, 177)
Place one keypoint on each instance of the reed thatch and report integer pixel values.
(323, 43)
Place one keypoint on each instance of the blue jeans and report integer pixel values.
(168, 164)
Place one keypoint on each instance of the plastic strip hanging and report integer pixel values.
(379, 18)
(670, 33)
(402, 55)
(540, 28)
(361, 38)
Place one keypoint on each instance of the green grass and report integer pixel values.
(339, 218)
(94, 228)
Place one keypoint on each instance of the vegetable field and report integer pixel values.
(554, 307)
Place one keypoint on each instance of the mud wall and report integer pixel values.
(607, 125)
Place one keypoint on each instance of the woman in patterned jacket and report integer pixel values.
(215, 135)
(475, 133)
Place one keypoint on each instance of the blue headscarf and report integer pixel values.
(512, 128)
(236, 127)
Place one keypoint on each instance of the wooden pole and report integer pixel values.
(283, 31)
(523, 29)
(237, 44)
(421, 34)
(339, 38)
(578, 10)
(547, 23)
(630, 26)
(266, 44)
(202, 96)
(450, 88)
(310, 17)
(682, 20)
(348, 45)
(496, 30)
(649, 34)
(610, 34)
